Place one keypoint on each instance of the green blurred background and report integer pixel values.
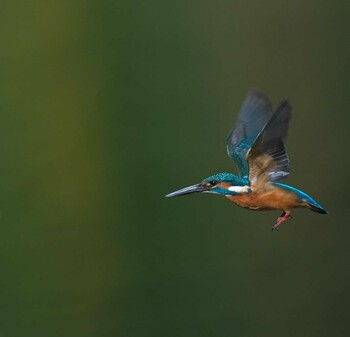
(106, 106)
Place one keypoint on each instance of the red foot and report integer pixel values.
(284, 217)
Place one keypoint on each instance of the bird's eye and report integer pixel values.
(210, 183)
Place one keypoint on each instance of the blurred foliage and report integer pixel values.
(108, 105)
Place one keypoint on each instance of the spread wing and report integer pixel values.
(255, 113)
(268, 159)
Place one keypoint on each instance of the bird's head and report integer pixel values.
(225, 184)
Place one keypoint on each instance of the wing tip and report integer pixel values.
(284, 108)
(255, 92)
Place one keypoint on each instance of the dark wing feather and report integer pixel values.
(268, 159)
(255, 113)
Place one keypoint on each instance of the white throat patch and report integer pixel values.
(239, 189)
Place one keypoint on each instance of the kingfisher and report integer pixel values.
(256, 145)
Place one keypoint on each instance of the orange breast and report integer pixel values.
(274, 198)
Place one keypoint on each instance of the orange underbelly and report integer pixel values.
(273, 199)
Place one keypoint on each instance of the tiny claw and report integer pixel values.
(284, 217)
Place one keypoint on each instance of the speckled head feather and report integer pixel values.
(226, 184)
(229, 178)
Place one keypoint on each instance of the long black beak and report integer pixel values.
(188, 190)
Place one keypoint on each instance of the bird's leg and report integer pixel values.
(284, 217)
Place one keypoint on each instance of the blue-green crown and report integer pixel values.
(228, 177)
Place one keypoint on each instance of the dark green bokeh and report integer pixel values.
(106, 106)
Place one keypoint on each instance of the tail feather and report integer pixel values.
(305, 199)
(318, 208)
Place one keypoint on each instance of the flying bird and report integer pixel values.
(256, 145)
